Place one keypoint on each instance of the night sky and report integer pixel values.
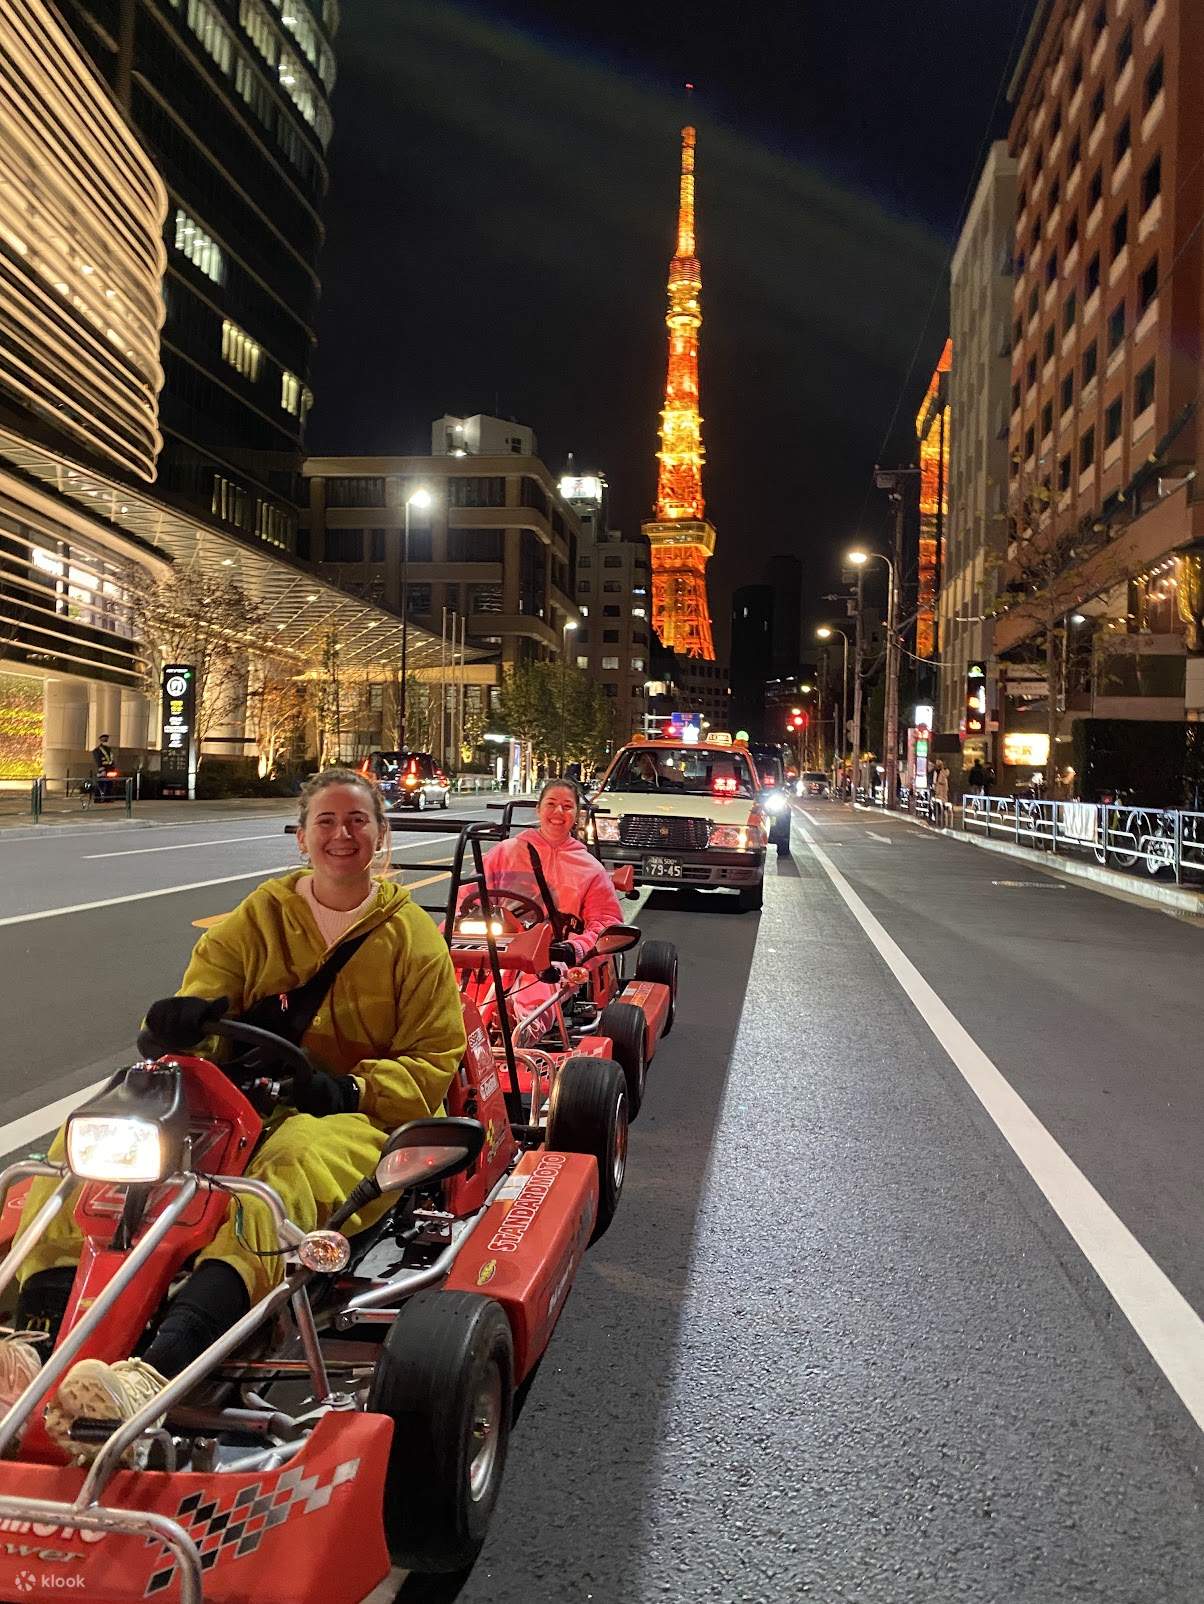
(502, 210)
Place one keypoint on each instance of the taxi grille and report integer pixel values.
(672, 835)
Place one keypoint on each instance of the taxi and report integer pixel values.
(684, 814)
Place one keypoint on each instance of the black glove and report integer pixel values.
(562, 952)
(174, 1024)
(327, 1094)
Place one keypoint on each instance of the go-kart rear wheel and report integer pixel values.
(446, 1379)
(588, 1114)
(627, 1028)
(658, 962)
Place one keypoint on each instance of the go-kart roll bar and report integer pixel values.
(113, 1522)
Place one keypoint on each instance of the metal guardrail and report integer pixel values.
(474, 784)
(83, 792)
(1153, 841)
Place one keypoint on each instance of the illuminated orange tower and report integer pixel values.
(680, 537)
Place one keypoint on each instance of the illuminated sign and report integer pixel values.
(178, 725)
(923, 716)
(975, 721)
(588, 488)
(1025, 750)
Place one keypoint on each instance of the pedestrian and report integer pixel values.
(103, 763)
(989, 780)
(940, 790)
(976, 780)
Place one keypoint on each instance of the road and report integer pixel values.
(903, 1301)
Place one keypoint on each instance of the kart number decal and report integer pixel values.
(522, 1215)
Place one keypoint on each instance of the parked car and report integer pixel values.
(408, 779)
(813, 783)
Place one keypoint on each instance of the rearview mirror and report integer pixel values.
(616, 939)
(426, 1150)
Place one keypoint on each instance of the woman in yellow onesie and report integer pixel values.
(389, 1036)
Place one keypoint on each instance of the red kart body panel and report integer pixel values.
(309, 1531)
(476, 1093)
(527, 1248)
(652, 999)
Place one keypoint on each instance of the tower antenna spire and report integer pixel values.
(681, 539)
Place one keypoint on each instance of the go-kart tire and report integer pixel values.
(658, 962)
(750, 899)
(588, 1114)
(446, 1364)
(627, 1028)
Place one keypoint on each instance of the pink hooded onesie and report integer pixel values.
(578, 882)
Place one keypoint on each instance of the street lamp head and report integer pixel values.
(858, 558)
(420, 498)
(804, 689)
(570, 623)
(824, 632)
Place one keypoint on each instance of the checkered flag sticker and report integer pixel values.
(238, 1529)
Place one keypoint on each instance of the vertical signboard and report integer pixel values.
(976, 699)
(179, 722)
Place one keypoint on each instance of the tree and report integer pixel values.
(280, 704)
(206, 621)
(1042, 584)
(558, 709)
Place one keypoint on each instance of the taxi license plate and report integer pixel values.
(663, 868)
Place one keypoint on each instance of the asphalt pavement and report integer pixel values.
(870, 1324)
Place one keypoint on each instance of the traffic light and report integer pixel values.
(798, 721)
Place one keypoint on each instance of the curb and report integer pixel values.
(1171, 898)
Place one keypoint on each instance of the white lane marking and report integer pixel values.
(1171, 1330)
(180, 846)
(810, 818)
(142, 896)
(874, 836)
(36, 1125)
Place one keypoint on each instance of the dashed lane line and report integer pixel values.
(142, 896)
(1169, 1327)
(874, 836)
(212, 919)
(179, 846)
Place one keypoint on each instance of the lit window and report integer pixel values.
(611, 663)
(213, 33)
(583, 662)
(639, 612)
(637, 665)
(294, 397)
(241, 351)
(202, 251)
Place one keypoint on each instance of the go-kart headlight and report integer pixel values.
(607, 828)
(480, 927)
(109, 1148)
(774, 802)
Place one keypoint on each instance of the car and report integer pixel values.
(770, 761)
(408, 779)
(813, 783)
(363, 1407)
(684, 815)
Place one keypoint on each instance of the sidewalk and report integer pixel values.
(147, 815)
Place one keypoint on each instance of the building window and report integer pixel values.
(344, 546)
(1074, 155)
(474, 490)
(230, 502)
(294, 397)
(1030, 444)
(1120, 232)
(1070, 308)
(610, 637)
(1122, 142)
(273, 524)
(1143, 390)
(1033, 301)
(209, 28)
(612, 612)
(1092, 276)
(1055, 124)
(1147, 284)
(583, 662)
(1116, 327)
(1046, 419)
(1098, 23)
(610, 663)
(585, 562)
(1124, 50)
(1095, 190)
(612, 585)
(1090, 362)
(1016, 396)
(355, 491)
(1112, 421)
(200, 249)
(1067, 391)
(1097, 105)
(1153, 82)
(612, 562)
(376, 545)
(241, 351)
(637, 665)
(1047, 344)
(1072, 233)
(485, 546)
(1064, 472)
(1051, 268)
(1087, 449)
(1151, 183)
(1030, 373)
(639, 612)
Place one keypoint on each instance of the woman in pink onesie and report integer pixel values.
(578, 882)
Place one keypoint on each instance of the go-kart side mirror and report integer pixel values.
(617, 938)
(428, 1150)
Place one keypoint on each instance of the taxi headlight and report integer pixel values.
(732, 837)
(607, 828)
(774, 802)
(103, 1147)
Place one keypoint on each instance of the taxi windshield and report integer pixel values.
(682, 771)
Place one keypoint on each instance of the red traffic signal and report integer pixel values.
(797, 721)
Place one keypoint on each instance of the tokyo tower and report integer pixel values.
(680, 537)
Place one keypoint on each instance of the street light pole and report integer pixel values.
(420, 498)
(858, 653)
(890, 735)
(570, 624)
(825, 632)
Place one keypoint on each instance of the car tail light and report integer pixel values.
(410, 779)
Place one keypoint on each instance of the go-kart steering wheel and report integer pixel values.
(526, 910)
(270, 1046)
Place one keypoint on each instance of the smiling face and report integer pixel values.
(341, 836)
(557, 814)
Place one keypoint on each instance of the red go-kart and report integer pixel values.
(357, 1416)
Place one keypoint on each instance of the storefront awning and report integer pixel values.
(302, 609)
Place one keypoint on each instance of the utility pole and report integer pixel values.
(858, 654)
(893, 480)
